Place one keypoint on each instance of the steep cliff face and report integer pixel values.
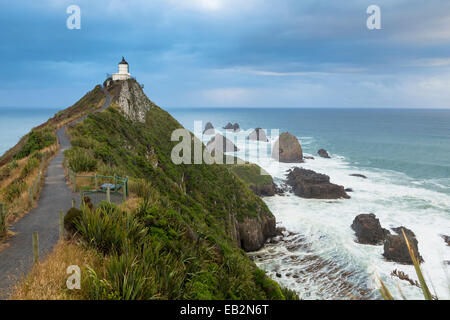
(132, 100)
(253, 232)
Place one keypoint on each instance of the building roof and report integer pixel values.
(123, 61)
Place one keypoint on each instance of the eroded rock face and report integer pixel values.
(395, 248)
(323, 153)
(258, 135)
(264, 190)
(252, 232)
(368, 229)
(133, 102)
(310, 184)
(287, 149)
(209, 129)
(221, 144)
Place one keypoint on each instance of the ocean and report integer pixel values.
(405, 155)
(17, 122)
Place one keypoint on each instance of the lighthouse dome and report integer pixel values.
(123, 61)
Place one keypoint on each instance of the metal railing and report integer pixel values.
(99, 184)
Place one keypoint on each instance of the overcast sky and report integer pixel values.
(230, 53)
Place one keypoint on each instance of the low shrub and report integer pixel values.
(37, 140)
(30, 166)
(71, 217)
(80, 160)
(14, 190)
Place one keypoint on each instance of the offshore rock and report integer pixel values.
(287, 149)
(310, 184)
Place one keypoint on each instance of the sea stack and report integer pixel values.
(396, 249)
(209, 129)
(258, 135)
(323, 153)
(221, 144)
(287, 149)
(368, 229)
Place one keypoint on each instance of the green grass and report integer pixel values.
(3, 220)
(251, 174)
(36, 140)
(14, 190)
(177, 244)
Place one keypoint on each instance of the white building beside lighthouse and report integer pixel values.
(123, 73)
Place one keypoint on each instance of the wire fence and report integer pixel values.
(99, 187)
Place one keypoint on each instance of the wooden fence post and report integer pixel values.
(61, 225)
(74, 182)
(36, 247)
(108, 194)
(96, 182)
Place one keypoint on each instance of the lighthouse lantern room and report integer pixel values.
(123, 73)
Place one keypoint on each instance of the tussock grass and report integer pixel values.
(22, 174)
(47, 280)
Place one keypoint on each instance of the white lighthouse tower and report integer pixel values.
(123, 73)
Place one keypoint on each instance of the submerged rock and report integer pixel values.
(446, 239)
(358, 175)
(395, 248)
(368, 229)
(287, 149)
(209, 129)
(258, 135)
(323, 153)
(310, 184)
(221, 144)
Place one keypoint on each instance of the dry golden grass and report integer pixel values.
(20, 206)
(131, 204)
(77, 116)
(47, 280)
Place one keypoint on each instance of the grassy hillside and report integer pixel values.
(23, 167)
(177, 238)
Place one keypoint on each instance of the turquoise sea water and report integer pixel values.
(415, 142)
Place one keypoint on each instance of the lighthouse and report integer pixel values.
(123, 73)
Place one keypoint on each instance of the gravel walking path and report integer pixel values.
(16, 258)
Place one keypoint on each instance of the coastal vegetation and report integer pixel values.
(178, 236)
(21, 177)
(23, 167)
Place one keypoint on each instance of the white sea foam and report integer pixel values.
(396, 199)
